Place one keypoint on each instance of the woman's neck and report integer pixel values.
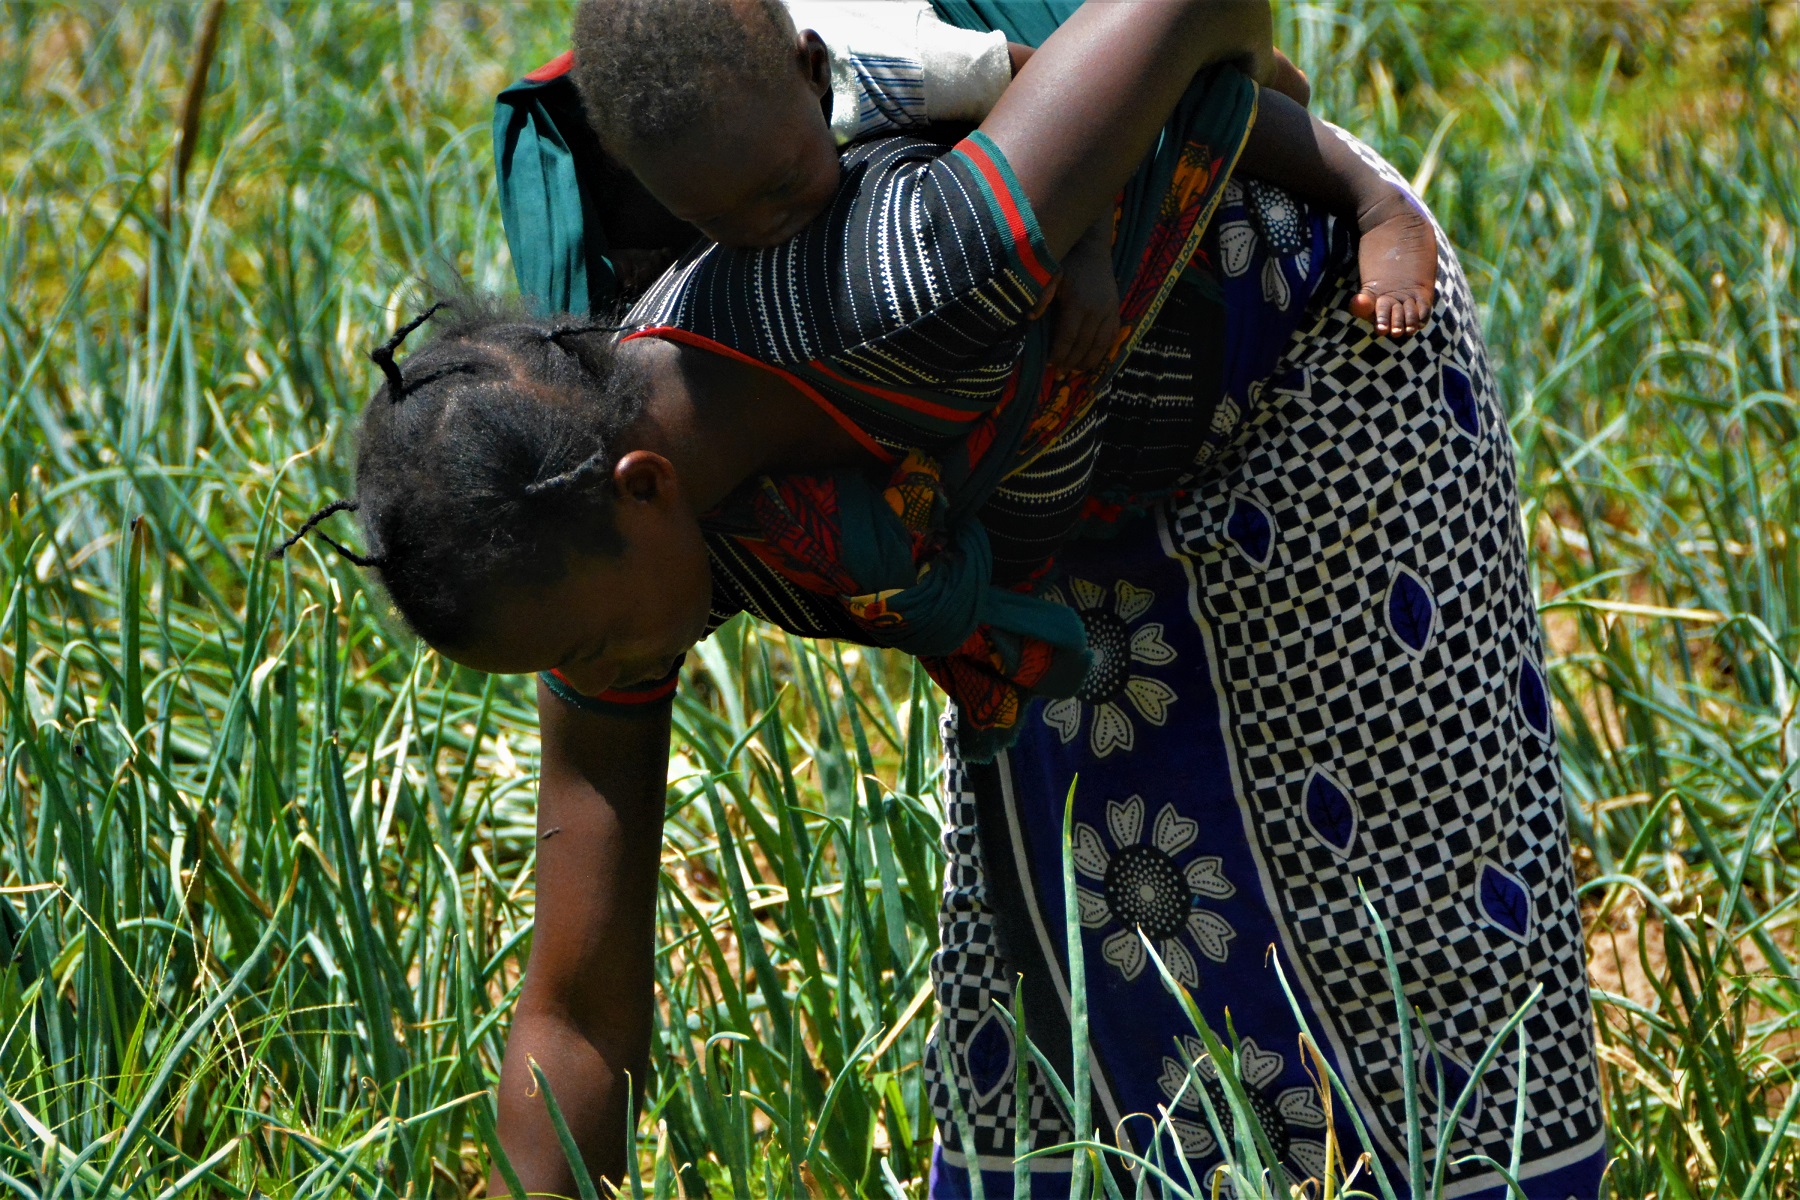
(721, 422)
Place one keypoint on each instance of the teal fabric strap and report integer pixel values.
(559, 250)
(941, 605)
(1026, 21)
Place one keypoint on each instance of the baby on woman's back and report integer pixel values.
(731, 114)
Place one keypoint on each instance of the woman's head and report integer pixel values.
(506, 511)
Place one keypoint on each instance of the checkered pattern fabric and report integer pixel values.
(1356, 549)
(1389, 645)
(972, 980)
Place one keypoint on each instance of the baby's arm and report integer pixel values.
(1397, 250)
(1087, 302)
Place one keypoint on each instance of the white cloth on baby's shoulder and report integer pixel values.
(895, 65)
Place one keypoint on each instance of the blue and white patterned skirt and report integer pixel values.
(1321, 671)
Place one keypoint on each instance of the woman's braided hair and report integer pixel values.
(486, 461)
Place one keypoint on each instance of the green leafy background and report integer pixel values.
(268, 865)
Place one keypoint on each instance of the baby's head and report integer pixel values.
(716, 105)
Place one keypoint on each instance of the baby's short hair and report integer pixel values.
(647, 70)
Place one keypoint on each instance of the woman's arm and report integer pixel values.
(584, 1014)
(1288, 79)
(1087, 108)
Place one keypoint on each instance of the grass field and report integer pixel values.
(267, 866)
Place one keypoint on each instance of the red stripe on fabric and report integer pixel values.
(981, 438)
(1009, 207)
(614, 696)
(900, 398)
(700, 341)
(554, 69)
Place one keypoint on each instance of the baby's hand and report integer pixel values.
(1290, 81)
(1087, 304)
(1398, 259)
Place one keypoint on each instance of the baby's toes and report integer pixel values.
(1386, 314)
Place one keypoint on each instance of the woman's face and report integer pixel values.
(612, 621)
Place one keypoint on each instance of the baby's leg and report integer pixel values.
(1397, 254)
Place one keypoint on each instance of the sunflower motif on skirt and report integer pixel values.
(1143, 885)
(1285, 1116)
(1119, 645)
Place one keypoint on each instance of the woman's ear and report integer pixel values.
(645, 476)
(815, 63)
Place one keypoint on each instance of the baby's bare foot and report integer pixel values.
(1398, 258)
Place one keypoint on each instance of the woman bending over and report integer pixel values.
(1310, 667)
